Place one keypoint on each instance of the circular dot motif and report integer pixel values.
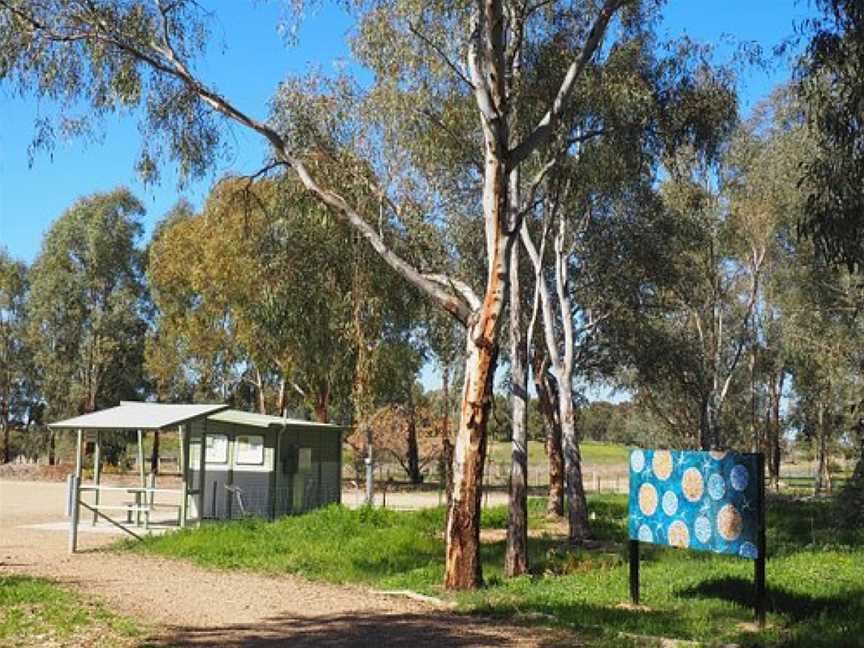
(692, 485)
(670, 503)
(678, 535)
(718, 455)
(637, 461)
(702, 527)
(748, 550)
(647, 499)
(729, 523)
(716, 486)
(662, 464)
(739, 478)
(645, 534)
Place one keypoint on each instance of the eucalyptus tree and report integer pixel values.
(445, 69)
(192, 352)
(766, 200)
(273, 292)
(692, 338)
(590, 216)
(824, 346)
(15, 372)
(831, 87)
(88, 308)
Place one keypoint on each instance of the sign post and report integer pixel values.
(759, 575)
(706, 501)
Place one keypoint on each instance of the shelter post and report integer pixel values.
(184, 472)
(97, 474)
(141, 481)
(75, 493)
(79, 442)
(73, 519)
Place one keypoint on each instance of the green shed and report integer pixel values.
(232, 464)
(256, 464)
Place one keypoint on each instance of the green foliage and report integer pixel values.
(36, 612)
(88, 308)
(18, 402)
(264, 292)
(831, 86)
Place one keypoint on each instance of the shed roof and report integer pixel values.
(265, 421)
(133, 415)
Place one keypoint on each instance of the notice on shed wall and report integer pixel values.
(708, 501)
(250, 450)
(217, 448)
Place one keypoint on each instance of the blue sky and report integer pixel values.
(246, 61)
(253, 60)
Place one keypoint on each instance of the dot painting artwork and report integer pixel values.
(708, 501)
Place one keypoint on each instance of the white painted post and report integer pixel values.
(74, 493)
(69, 494)
(97, 474)
(141, 480)
(78, 446)
(73, 520)
(149, 500)
(184, 473)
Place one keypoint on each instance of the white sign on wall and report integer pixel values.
(250, 449)
(217, 448)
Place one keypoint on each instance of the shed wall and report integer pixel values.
(305, 476)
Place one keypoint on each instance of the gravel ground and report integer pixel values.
(185, 605)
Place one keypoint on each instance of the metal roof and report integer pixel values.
(133, 415)
(265, 421)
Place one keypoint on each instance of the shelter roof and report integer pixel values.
(265, 421)
(134, 415)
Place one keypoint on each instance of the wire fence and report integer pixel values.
(224, 501)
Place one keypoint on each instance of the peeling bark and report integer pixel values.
(577, 504)
(462, 561)
(547, 397)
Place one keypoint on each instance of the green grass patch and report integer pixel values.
(593, 454)
(815, 571)
(35, 612)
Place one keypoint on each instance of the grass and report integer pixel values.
(593, 453)
(815, 571)
(36, 612)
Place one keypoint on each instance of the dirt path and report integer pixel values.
(187, 605)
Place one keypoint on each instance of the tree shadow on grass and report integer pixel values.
(593, 619)
(372, 629)
(831, 621)
(795, 605)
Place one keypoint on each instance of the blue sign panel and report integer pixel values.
(707, 501)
